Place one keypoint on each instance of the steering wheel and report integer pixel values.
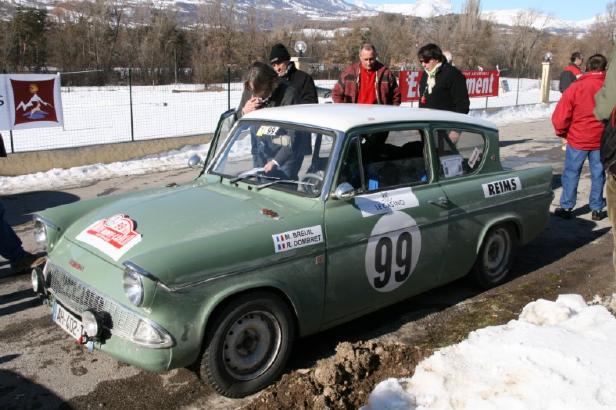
(311, 183)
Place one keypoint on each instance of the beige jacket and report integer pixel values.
(605, 99)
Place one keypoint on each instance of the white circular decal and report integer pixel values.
(393, 251)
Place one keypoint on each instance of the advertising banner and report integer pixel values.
(479, 84)
(30, 101)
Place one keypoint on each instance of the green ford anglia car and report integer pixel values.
(299, 219)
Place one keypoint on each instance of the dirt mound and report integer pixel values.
(343, 381)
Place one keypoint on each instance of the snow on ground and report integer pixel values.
(58, 178)
(557, 355)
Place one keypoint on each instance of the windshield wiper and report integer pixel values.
(247, 174)
(284, 181)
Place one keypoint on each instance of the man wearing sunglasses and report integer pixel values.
(367, 82)
(443, 86)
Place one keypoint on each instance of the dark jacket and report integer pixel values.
(306, 92)
(346, 89)
(284, 94)
(449, 92)
(573, 117)
(568, 76)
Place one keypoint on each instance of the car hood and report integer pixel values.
(192, 228)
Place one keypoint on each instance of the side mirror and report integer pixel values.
(195, 161)
(344, 191)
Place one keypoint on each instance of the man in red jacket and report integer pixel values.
(572, 72)
(574, 120)
(367, 82)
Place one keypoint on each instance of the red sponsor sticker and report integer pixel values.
(117, 231)
(114, 235)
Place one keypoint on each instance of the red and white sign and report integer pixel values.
(30, 101)
(113, 236)
(482, 83)
(478, 83)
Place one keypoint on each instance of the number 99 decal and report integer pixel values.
(392, 252)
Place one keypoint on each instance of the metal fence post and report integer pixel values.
(228, 87)
(11, 138)
(517, 92)
(130, 95)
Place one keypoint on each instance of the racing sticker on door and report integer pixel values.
(501, 187)
(393, 251)
(386, 202)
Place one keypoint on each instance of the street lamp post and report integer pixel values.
(545, 77)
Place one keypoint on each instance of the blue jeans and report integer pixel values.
(10, 244)
(574, 160)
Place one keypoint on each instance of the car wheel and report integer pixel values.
(495, 257)
(248, 344)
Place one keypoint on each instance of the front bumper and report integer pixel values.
(119, 323)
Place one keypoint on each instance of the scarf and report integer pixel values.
(432, 77)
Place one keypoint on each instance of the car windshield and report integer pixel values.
(279, 156)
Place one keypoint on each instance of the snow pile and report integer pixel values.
(557, 355)
(521, 113)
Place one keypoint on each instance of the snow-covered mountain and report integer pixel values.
(420, 8)
(313, 9)
(332, 9)
(538, 20)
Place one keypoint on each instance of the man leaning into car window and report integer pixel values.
(263, 89)
(274, 154)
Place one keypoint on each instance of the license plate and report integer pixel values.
(66, 321)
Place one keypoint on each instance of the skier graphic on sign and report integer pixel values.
(34, 101)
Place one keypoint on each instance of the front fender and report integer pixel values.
(299, 281)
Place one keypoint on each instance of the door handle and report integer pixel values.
(442, 202)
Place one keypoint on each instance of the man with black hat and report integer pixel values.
(306, 92)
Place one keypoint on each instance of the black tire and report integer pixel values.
(495, 257)
(247, 345)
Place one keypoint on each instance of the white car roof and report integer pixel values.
(343, 117)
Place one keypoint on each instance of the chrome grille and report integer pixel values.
(79, 297)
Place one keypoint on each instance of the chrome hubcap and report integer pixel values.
(496, 253)
(251, 345)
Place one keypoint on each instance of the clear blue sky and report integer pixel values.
(562, 9)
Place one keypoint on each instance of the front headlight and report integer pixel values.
(151, 335)
(133, 286)
(40, 233)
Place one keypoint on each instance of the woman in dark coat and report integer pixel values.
(443, 86)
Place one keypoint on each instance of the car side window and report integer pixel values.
(385, 159)
(459, 151)
(393, 158)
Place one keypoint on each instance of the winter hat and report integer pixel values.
(279, 54)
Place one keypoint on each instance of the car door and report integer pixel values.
(460, 157)
(384, 243)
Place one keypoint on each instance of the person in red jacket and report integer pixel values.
(367, 82)
(572, 72)
(574, 120)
